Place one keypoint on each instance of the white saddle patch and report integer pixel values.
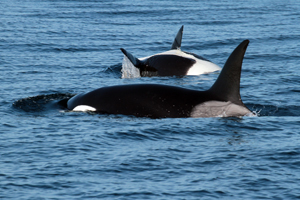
(83, 108)
(176, 52)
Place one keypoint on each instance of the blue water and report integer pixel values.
(50, 50)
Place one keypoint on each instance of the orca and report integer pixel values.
(163, 101)
(172, 63)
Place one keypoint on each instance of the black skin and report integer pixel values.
(145, 100)
(165, 65)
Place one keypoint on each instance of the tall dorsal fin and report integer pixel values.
(135, 61)
(177, 41)
(227, 86)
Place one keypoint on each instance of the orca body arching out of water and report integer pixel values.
(163, 101)
(173, 62)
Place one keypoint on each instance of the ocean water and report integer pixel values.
(53, 49)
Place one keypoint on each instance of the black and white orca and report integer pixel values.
(162, 101)
(171, 63)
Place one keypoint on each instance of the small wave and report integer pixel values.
(272, 110)
(42, 103)
(72, 49)
(114, 70)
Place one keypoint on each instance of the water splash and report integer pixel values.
(129, 70)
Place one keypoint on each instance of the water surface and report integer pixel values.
(50, 50)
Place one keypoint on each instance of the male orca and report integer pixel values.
(173, 62)
(162, 101)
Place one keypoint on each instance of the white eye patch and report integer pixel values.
(83, 108)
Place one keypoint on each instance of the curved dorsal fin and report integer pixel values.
(227, 86)
(177, 41)
(135, 61)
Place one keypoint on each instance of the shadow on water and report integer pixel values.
(42, 103)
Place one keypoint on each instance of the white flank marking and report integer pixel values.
(200, 67)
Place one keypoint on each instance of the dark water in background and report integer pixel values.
(50, 50)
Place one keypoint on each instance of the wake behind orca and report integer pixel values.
(163, 101)
(172, 63)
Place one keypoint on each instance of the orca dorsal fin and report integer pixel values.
(135, 61)
(177, 41)
(227, 85)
